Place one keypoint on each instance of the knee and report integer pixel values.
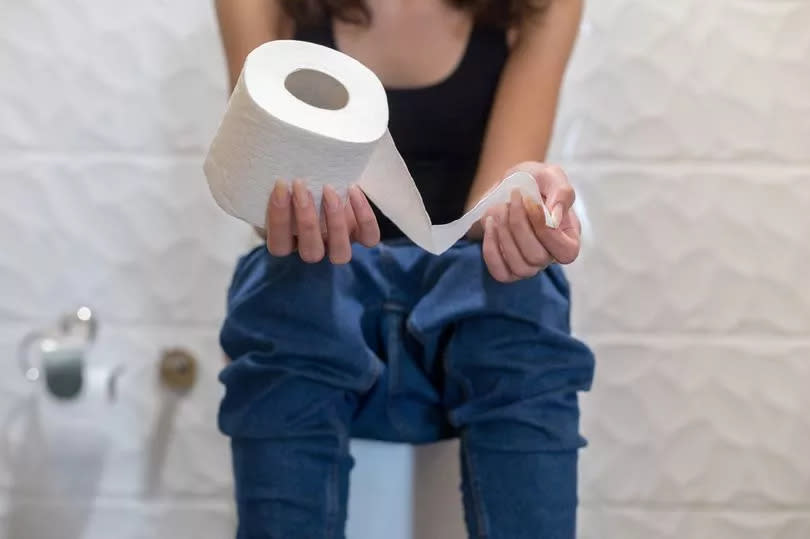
(523, 426)
(282, 406)
(278, 383)
(500, 358)
(515, 387)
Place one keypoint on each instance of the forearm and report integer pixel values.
(243, 26)
(524, 110)
(246, 24)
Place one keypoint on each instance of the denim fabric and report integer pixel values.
(400, 345)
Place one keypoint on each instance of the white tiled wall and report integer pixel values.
(686, 126)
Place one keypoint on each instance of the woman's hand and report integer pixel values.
(517, 242)
(292, 223)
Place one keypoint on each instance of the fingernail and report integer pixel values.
(281, 195)
(331, 198)
(556, 216)
(300, 194)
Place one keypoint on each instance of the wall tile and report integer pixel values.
(140, 241)
(688, 80)
(140, 76)
(630, 523)
(24, 518)
(698, 422)
(693, 249)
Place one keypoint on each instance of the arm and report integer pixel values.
(525, 105)
(243, 26)
(517, 244)
(246, 24)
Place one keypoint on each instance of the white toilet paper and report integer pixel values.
(301, 110)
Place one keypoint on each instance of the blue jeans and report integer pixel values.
(400, 345)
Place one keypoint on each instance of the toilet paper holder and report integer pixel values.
(61, 354)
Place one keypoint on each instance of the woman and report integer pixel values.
(346, 329)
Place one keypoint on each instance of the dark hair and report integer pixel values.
(495, 12)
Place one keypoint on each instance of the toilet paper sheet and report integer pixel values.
(303, 111)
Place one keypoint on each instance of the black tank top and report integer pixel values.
(439, 129)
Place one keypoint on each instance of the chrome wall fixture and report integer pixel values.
(57, 355)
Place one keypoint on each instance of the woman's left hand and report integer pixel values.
(517, 242)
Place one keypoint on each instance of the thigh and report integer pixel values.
(508, 353)
(502, 371)
(457, 285)
(297, 336)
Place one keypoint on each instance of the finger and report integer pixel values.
(368, 230)
(492, 253)
(340, 250)
(310, 242)
(278, 221)
(511, 253)
(530, 247)
(351, 222)
(559, 195)
(574, 223)
(322, 222)
(554, 186)
(563, 243)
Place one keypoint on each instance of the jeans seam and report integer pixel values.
(332, 491)
(331, 503)
(475, 495)
(394, 365)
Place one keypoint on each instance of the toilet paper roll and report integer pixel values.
(74, 434)
(302, 110)
(71, 424)
(85, 408)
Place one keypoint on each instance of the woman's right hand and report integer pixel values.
(292, 223)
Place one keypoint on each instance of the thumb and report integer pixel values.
(556, 190)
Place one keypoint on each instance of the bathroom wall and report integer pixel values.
(686, 126)
(106, 109)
